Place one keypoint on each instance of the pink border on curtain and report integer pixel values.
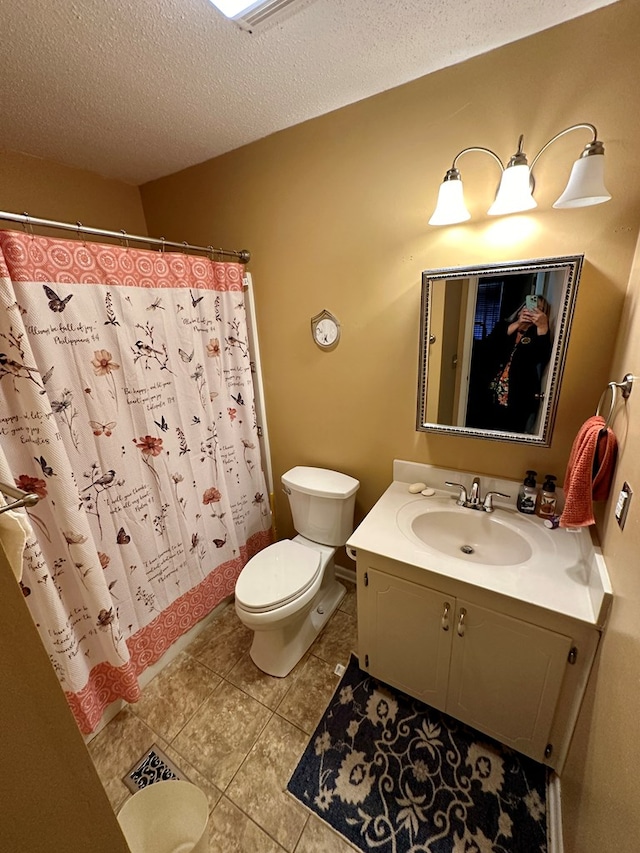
(99, 263)
(147, 646)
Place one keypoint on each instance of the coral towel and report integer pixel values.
(589, 472)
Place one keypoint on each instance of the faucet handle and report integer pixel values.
(462, 497)
(487, 506)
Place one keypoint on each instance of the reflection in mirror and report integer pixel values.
(492, 348)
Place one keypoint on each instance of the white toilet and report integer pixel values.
(288, 591)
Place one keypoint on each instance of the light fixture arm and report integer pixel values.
(476, 148)
(594, 147)
(519, 158)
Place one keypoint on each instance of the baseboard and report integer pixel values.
(346, 574)
(554, 814)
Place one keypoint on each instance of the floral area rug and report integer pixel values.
(393, 775)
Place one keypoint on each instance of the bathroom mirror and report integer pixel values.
(493, 341)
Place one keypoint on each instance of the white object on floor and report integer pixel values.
(288, 591)
(339, 670)
(166, 817)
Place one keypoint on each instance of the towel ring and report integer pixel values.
(625, 388)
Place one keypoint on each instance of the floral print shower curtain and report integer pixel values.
(126, 404)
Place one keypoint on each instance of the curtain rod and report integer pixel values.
(243, 255)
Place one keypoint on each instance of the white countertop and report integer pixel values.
(564, 574)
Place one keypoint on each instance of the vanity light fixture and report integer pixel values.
(251, 15)
(515, 193)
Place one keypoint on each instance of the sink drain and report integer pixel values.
(467, 549)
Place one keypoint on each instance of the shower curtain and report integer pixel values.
(126, 404)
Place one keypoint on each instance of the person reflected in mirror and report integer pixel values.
(518, 350)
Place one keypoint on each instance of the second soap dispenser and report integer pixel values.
(546, 506)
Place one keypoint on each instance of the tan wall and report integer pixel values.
(51, 191)
(51, 796)
(335, 212)
(601, 784)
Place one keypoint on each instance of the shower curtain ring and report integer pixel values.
(28, 227)
(211, 253)
(124, 240)
(79, 230)
(162, 241)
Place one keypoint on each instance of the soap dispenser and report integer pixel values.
(546, 506)
(526, 501)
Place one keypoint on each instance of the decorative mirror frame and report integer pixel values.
(573, 266)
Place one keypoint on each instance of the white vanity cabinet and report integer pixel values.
(514, 672)
(505, 676)
(401, 638)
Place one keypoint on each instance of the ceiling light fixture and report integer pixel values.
(250, 16)
(515, 192)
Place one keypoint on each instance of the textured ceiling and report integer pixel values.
(138, 90)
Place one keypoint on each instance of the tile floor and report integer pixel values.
(236, 733)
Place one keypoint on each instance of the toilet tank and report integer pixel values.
(322, 503)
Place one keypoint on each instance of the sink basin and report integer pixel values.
(514, 556)
(466, 534)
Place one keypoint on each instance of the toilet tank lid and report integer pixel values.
(320, 482)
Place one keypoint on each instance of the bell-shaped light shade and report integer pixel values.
(514, 192)
(586, 183)
(450, 208)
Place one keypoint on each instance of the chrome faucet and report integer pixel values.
(487, 505)
(462, 497)
(473, 499)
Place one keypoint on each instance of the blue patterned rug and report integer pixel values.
(393, 775)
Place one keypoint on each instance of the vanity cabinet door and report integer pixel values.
(505, 676)
(405, 632)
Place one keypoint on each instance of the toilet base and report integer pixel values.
(277, 651)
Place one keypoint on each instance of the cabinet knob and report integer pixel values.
(445, 616)
(460, 628)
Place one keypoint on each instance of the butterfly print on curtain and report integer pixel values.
(135, 523)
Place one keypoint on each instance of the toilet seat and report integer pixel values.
(276, 576)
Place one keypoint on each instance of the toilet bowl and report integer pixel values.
(285, 594)
(288, 591)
